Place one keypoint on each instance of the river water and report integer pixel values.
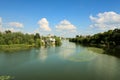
(66, 62)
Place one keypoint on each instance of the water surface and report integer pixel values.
(67, 62)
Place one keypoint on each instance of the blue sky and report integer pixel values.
(59, 17)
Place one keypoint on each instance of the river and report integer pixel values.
(66, 62)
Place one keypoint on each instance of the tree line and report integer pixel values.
(10, 38)
(109, 40)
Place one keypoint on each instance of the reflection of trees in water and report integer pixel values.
(113, 51)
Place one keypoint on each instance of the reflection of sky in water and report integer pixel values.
(70, 51)
(69, 61)
(67, 50)
(43, 54)
(77, 53)
(66, 53)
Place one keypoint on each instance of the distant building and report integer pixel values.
(49, 40)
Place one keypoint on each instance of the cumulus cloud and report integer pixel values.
(105, 21)
(16, 24)
(44, 24)
(12, 26)
(66, 28)
(66, 25)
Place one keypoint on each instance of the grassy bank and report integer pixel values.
(20, 41)
(15, 47)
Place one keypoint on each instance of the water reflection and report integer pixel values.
(67, 50)
(43, 54)
(66, 53)
(77, 53)
(107, 65)
(67, 62)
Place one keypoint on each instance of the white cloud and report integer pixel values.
(12, 26)
(65, 25)
(16, 24)
(66, 29)
(106, 21)
(44, 24)
(13, 29)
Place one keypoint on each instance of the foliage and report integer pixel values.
(38, 43)
(8, 38)
(58, 41)
(107, 40)
(14, 40)
(111, 37)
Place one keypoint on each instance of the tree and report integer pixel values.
(10, 42)
(108, 38)
(38, 43)
(31, 41)
(116, 36)
(2, 41)
(37, 36)
(57, 41)
(8, 31)
(77, 36)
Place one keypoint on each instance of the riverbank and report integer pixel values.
(15, 47)
(20, 41)
(19, 47)
(109, 41)
(111, 50)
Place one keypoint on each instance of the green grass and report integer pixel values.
(15, 47)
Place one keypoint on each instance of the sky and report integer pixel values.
(65, 18)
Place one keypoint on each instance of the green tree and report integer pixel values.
(38, 43)
(37, 36)
(57, 41)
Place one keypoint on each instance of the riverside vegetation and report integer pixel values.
(17, 40)
(109, 41)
